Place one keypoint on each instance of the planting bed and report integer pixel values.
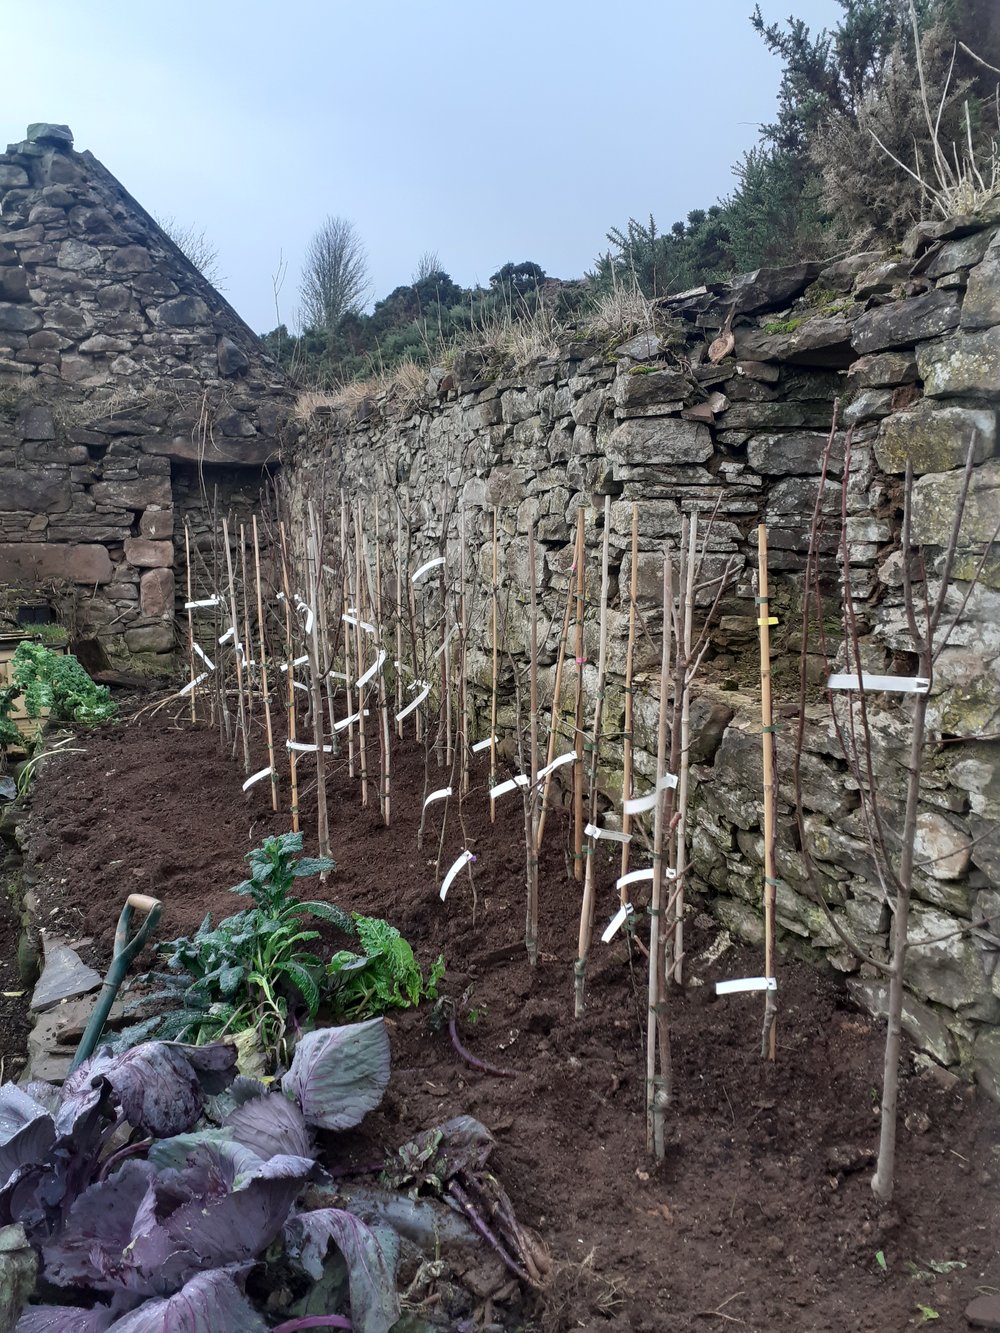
(761, 1216)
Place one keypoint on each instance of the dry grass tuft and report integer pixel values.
(621, 312)
(575, 1289)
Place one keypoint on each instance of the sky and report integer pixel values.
(484, 132)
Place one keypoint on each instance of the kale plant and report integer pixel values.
(153, 1182)
(257, 978)
(59, 683)
(253, 973)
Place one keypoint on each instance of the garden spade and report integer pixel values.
(125, 950)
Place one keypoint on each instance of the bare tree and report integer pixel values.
(893, 850)
(195, 246)
(428, 264)
(334, 275)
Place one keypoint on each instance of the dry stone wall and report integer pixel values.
(910, 345)
(130, 393)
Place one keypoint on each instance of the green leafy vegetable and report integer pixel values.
(57, 682)
(385, 976)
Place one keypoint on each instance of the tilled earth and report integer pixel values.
(760, 1218)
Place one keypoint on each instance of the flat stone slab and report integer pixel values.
(53, 1040)
(984, 1311)
(65, 976)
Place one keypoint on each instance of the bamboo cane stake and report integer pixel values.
(264, 684)
(556, 697)
(311, 550)
(658, 1087)
(399, 619)
(350, 634)
(445, 669)
(587, 907)
(685, 765)
(219, 677)
(629, 723)
(578, 711)
(289, 676)
(768, 1035)
(493, 693)
(360, 659)
(531, 812)
(247, 641)
(190, 615)
(235, 624)
(374, 582)
(463, 687)
(385, 748)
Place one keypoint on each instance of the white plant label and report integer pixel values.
(636, 876)
(310, 618)
(297, 684)
(638, 805)
(556, 763)
(426, 568)
(264, 773)
(349, 618)
(747, 983)
(207, 601)
(307, 749)
(296, 662)
(348, 721)
(520, 781)
(616, 922)
(447, 639)
(612, 835)
(461, 860)
(414, 703)
(441, 794)
(480, 746)
(193, 684)
(867, 681)
(204, 656)
(373, 670)
(229, 634)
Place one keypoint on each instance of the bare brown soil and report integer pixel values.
(761, 1218)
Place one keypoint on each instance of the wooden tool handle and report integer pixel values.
(142, 902)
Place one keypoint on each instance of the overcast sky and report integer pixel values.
(486, 132)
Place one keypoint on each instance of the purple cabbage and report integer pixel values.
(163, 1237)
(338, 1075)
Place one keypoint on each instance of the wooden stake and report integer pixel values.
(264, 684)
(658, 1086)
(578, 712)
(589, 888)
(190, 616)
(554, 717)
(768, 1037)
(350, 632)
(680, 863)
(531, 810)
(247, 641)
(311, 551)
(496, 660)
(235, 624)
(399, 618)
(360, 658)
(385, 749)
(290, 676)
(463, 686)
(629, 711)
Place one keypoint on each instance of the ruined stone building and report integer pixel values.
(131, 396)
